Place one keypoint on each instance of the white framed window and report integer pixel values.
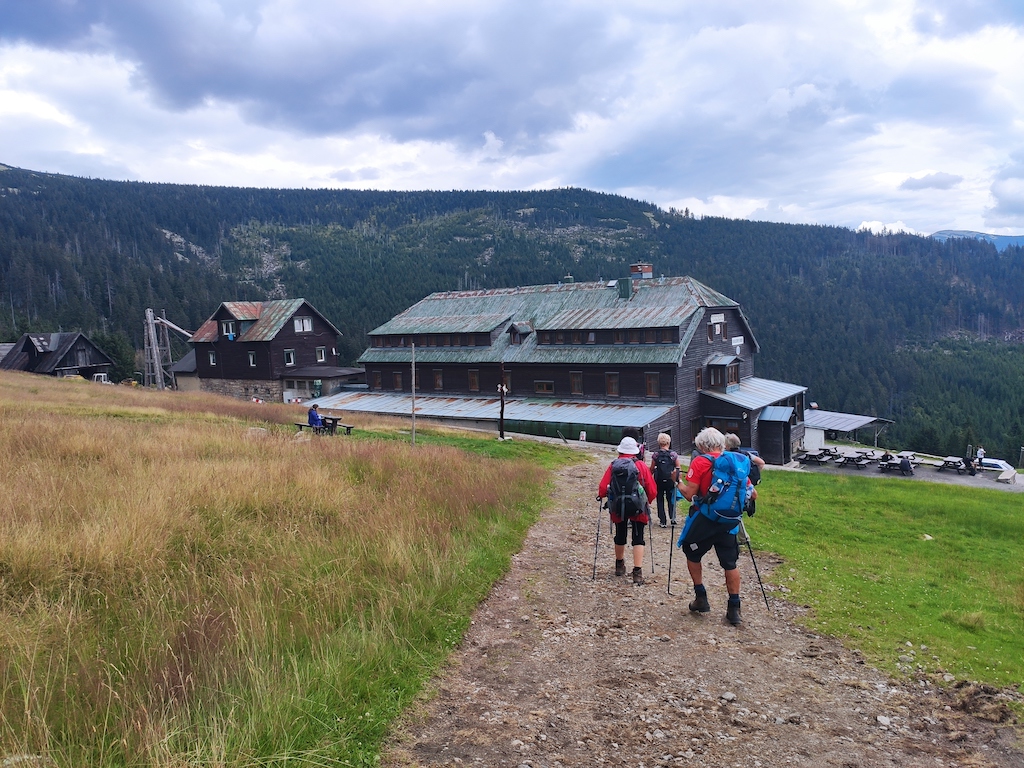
(252, 359)
(289, 357)
(303, 324)
(227, 327)
(321, 354)
(213, 357)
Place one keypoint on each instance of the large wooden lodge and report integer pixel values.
(659, 354)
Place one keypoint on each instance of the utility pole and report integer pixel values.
(413, 345)
(502, 391)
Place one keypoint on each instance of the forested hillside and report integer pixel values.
(905, 327)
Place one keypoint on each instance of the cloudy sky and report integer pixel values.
(904, 113)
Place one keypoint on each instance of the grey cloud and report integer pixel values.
(1008, 191)
(950, 18)
(519, 70)
(932, 181)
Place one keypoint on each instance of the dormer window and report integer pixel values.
(515, 337)
(227, 328)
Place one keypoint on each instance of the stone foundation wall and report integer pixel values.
(245, 389)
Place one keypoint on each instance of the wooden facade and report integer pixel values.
(249, 349)
(665, 341)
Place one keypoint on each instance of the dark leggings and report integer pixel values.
(666, 498)
(638, 533)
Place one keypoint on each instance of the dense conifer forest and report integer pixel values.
(923, 332)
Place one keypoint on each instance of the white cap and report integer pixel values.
(628, 447)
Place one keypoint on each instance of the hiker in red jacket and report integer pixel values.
(637, 518)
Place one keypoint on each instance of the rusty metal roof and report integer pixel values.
(269, 316)
(486, 408)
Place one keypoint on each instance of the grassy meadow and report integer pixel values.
(884, 562)
(179, 589)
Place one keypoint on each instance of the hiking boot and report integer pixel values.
(732, 613)
(638, 576)
(663, 525)
(620, 567)
(700, 604)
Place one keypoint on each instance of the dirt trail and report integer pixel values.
(559, 670)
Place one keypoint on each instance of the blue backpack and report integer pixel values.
(727, 497)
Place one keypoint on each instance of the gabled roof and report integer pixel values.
(50, 350)
(653, 303)
(269, 318)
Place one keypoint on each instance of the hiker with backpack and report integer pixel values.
(718, 487)
(732, 443)
(628, 484)
(665, 468)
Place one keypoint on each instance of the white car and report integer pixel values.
(999, 464)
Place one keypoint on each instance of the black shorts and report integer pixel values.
(638, 533)
(701, 534)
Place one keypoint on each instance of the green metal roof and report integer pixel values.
(654, 303)
(270, 317)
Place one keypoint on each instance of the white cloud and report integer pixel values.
(835, 112)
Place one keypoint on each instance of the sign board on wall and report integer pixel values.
(719, 318)
(736, 341)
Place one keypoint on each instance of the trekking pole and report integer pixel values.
(650, 534)
(746, 537)
(671, 544)
(597, 538)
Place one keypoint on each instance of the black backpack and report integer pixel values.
(664, 467)
(624, 498)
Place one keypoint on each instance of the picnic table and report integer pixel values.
(816, 457)
(952, 462)
(331, 424)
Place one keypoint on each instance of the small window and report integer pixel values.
(559, 337)
(591, 337)
(717, 376)
(634, 337)
(432, 341)
(733, 374)
(378, 341)
(711, 333)
(725, 330)
(619, 337)
(471, 340)
(650, 336)
(508, 382)
(438, 380)
(576, 382)
(303, 324)
(544, 337)
(227, 328)
(289, 384)
(577, 337)
(474, 380)
(396, 381)
(516, 337)
(611, 384)
(289, 357)
(698, 379)
(544, 387)
(321, 354)
(419, 380)
(213, 357)
(446, 340)
(653, 381)
(252, 359)
(377, 380)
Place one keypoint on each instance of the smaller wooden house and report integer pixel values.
(57, 354)
(282, 350)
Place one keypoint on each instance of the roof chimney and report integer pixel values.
(641, 271)
(569, 278)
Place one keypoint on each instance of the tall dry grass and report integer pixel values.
(178, 589)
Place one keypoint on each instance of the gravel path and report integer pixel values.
(558, 669)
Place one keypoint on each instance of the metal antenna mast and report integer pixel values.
(157, 350)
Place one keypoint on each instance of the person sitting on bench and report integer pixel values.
(315, 421)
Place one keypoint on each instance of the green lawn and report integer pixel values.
(886, 562)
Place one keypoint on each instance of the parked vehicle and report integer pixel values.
(101, 378)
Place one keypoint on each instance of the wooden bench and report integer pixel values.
(861, 463)
(316, 430)
(1007, 476)
(331, 425)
